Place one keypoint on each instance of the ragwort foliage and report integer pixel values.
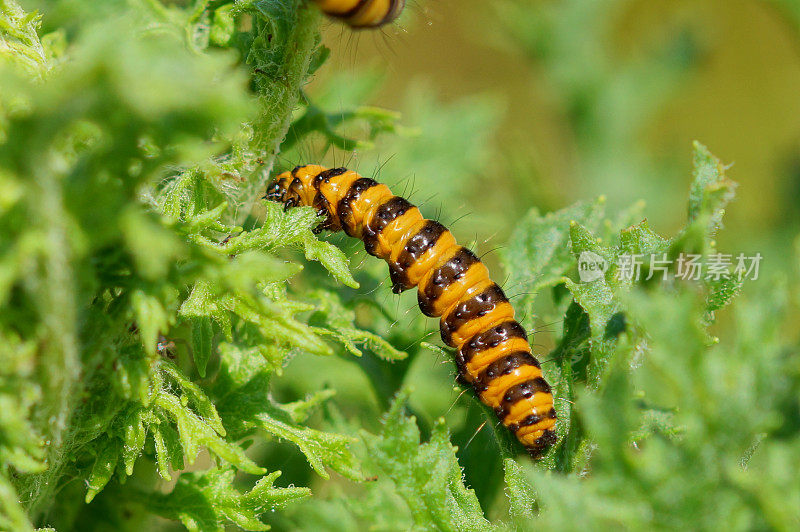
(148, 319)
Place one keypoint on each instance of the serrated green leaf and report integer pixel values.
(331, 258)
(538, 255)
(722, 291)
(199, 401)
(320, 448)
(163, 455)
(202, 304)
(202, 337)
(195, 432)
(247, 405)
(299, 411)
(339, 320)
(598, 300)
(640, 239)
(132, 376)
(274, 321)
(21, 43)
(426, 475)
(520, 493)
(208, 501)
(134, 439)
(104, 466)
(251, 268)
(151, 318)
(711, 190)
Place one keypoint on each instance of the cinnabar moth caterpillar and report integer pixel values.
(493, 353)
(362, 13)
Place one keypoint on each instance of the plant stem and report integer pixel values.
(281, 56)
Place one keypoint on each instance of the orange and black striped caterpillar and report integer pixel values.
(493, 355)
(362, 13)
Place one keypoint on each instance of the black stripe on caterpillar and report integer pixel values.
(476, 318)
(362, 13)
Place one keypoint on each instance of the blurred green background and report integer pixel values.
(605, 97)
(516, 104)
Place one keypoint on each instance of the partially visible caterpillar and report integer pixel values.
(493, 355)
(362, 13)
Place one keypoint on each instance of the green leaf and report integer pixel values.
(104, 466)
(375, 120)
(426, 475)
(293, 228)
(598, 298)
(722, 291)
(151, 318)
(331, 258)
(202, 338)
(299, 411)
(201, 304)
(539, 255)
(132, 377)
(21, 43)
(168, 454)
(711, 190)
(247, 405)
(208, 501)
(520, 493)
(320, 448)
(339, 320)
(640, 239)
(195, 431)
(195, 396)
(134, 438)
(274, 322)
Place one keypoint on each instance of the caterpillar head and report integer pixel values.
(278, 189)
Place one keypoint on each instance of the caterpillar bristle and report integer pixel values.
(493, 352)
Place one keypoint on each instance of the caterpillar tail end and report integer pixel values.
(542, 444)
(476, 318)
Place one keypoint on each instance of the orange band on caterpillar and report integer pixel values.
(493, 353)
(362, 13)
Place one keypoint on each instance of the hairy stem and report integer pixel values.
(281, 55)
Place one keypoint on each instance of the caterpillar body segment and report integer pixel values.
(362, 13)
(476, 318)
